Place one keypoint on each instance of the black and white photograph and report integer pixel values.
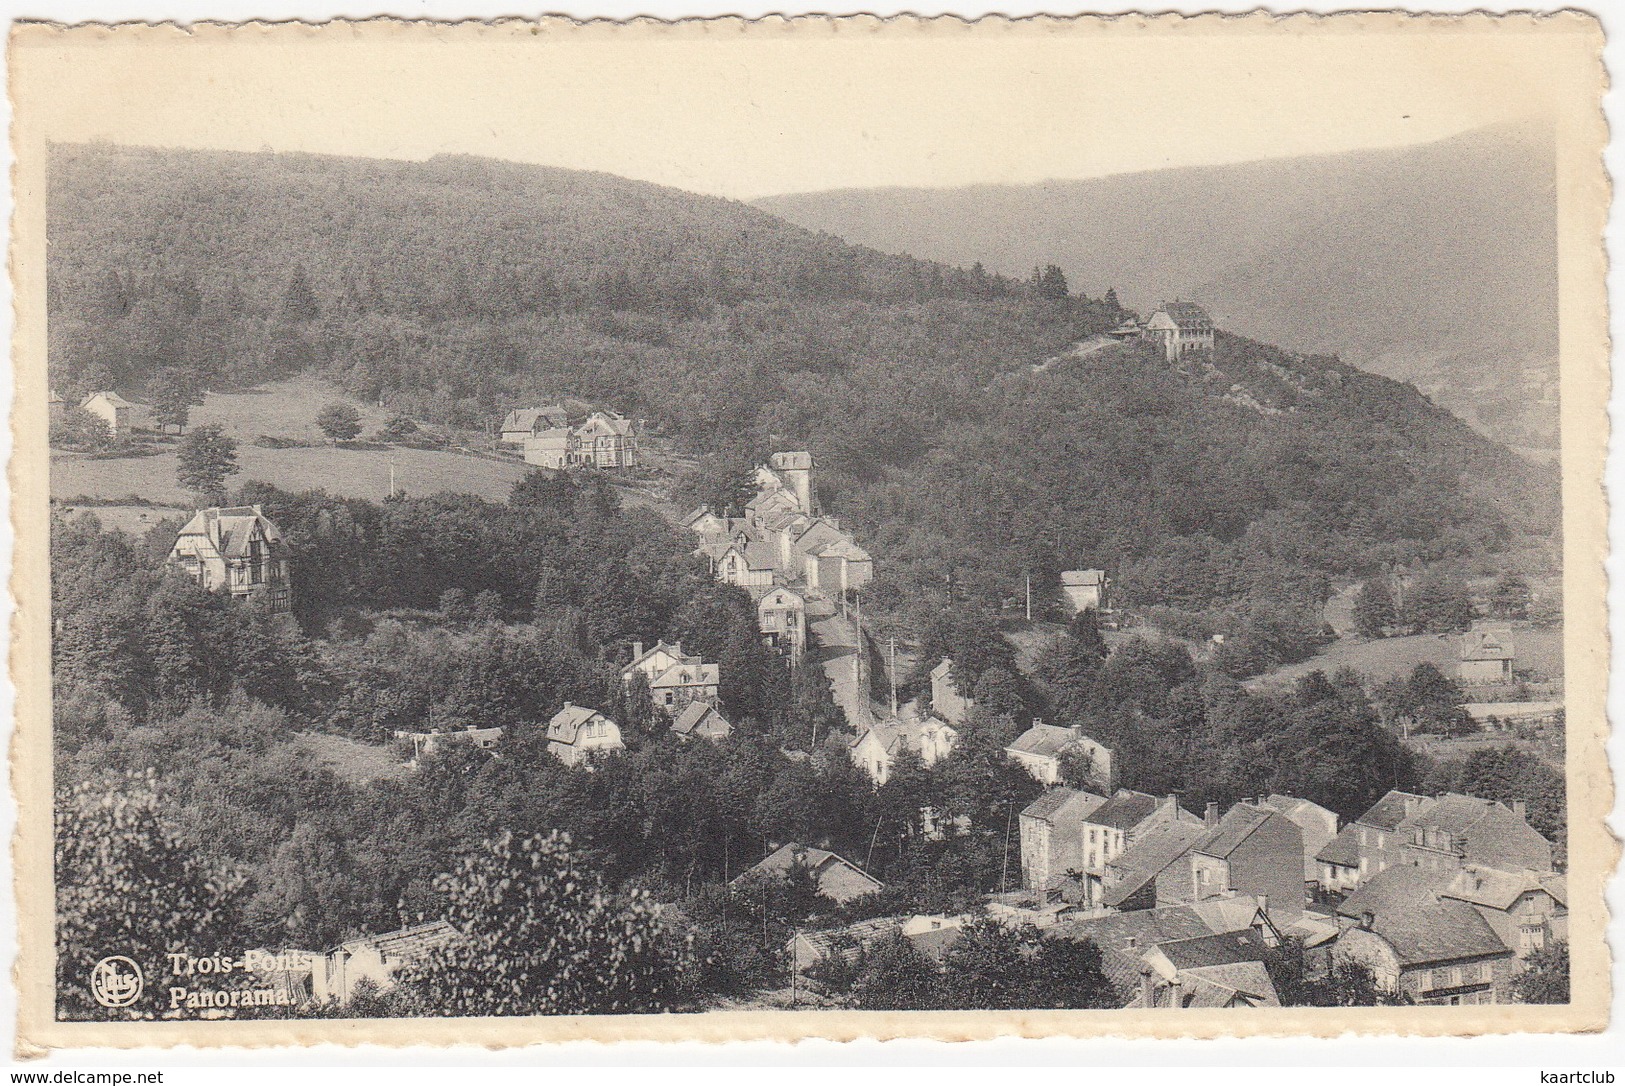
(753, 523)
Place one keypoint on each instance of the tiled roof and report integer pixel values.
(1487, 645)
(1189, 316)
(1147, 928)
(691, 672)
(1392, 809)
(695, 714)
(1145, 859)
(1044, 739)
(566, 723)
(1221, 985)
(1491, 888)
(1236, 826)
(1063, 805)
(1125, 810)
(1219, 948)
(837, 877)
(407, 944)
(1410, 914)
(1344, 849)
(525, 418)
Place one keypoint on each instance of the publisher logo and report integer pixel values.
(116, 981)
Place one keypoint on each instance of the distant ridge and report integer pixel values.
(1434, 264)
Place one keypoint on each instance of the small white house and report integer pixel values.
(112, 409)
(576, 732)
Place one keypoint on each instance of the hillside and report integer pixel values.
(454, 289)
(1433, 264)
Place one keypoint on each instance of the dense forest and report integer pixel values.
(1232, 489)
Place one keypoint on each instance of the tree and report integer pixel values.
(173, 397)
(1545, 976)
(78, 427)
(1510, 597)
(1438, 604)
(339, 421)
(541, 934)
(1433, 700)
(127, 885)
(1374, 608)
(205, 458)
(299, 301)
(894, 976)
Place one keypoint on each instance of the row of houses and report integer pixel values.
(781, 539)
(1439, 896)
(550, 438)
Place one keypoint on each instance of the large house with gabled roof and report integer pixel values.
(236, 550)
(675, 678)
(1178, 328)
(1439, 833)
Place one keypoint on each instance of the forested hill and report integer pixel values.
(1434, 264)
(457, 288)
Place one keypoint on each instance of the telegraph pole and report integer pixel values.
(1029, 597)
(392, 477)
(893, 669)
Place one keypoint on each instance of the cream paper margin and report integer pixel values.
(1583, 193)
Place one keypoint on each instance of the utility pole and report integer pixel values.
(892, 667)
(392, 477)
(1029, 597)
(1004, 875)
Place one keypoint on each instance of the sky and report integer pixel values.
(750, 112)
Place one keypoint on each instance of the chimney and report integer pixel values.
(1521, 809)
(637, 649)
(1176, 996)
(1133, 941)
(1076, 730)
(1146, 990)
(1211, 817)
(1169, 806)
(1367, 919)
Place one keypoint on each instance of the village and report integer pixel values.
(1441, 897)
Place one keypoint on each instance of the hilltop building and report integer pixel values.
(1177, 328)
(237, 550)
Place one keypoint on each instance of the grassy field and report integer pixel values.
(1537, 649)
(354, 761)
(288, 410)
